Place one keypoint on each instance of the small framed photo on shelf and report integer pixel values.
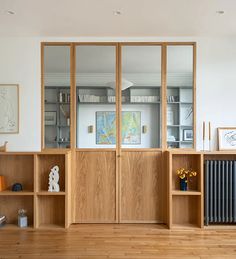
(227, 138)
(187, 134)
(50, 118)
(170, 117)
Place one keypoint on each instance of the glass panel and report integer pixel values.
(180, 96)
(57, 96)
(141, 96)
(96, 96)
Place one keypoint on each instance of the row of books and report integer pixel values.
(89, 98)
(145, 99)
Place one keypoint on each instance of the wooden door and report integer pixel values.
(95, 187)
(142, 188)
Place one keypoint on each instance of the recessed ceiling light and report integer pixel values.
(220, 12)
(10, 12)
(117, 12)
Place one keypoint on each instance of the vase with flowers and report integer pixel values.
(185, 176)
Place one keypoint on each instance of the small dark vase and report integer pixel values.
(183, 184)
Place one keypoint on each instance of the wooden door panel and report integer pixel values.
(142, 188)
(95, 187)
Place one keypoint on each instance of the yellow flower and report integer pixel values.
(185, 173)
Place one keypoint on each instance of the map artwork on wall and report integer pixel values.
(9, 108)
(106, 127)
(131, 128)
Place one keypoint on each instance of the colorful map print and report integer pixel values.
(106, 127)
(131, 127)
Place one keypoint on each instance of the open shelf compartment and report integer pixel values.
(45, 162)
(51, 211)
(9, 206)
(187, 161)
(18, 169)
(186, 211)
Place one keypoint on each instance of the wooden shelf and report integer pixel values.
(44, 209)
(15, 227)
(9, 206)
(186, 210)
(184, 226)
(21, 193)
(18, 168)
(51, 193)
(185, 207)
(190, 161)
(51, 210)
(44, 165)
(178, 192)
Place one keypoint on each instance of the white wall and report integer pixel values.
(20, 64)
(216, 83)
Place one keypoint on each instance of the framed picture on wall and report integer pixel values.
(106, 127)
(50, 118)
(188, 135)
(131, 127)
(9, 108)
(227, 138)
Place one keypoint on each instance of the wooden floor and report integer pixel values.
(118, 241)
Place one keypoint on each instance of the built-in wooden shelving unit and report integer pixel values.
(44, 209)
(185, 207)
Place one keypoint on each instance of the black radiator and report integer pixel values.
(220, 191)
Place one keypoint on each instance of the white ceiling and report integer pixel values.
(140, 18)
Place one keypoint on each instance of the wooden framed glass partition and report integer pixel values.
(141, 87)
(180, 87)
(76, 76)
(96, 96)
(56, 96)
(117, 161)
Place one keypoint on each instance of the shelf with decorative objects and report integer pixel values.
(209, 195)
(34, 173)
(185, 189)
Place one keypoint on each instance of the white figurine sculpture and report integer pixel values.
(53, 185)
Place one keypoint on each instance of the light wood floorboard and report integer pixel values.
(118, 241)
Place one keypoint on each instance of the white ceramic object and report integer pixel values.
(53, 184)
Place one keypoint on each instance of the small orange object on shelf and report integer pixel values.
(2, 183)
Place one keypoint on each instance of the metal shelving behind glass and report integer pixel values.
(57, 107)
